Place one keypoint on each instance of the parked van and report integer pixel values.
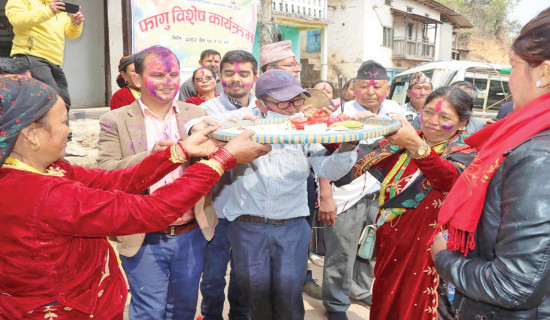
(491, 80)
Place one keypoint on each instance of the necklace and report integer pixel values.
(13, 163)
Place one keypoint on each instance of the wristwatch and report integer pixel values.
(422, 152)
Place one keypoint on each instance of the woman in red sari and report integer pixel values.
(55, 260)
(416, 169)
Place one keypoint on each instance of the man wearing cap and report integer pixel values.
(267, 206)
(354, 205)
(418, 91)
(279, 55)
(210, 59)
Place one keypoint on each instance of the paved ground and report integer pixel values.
(314, 308)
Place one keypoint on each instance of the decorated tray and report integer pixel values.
(281, 131)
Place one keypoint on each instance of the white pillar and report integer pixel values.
(324, 53)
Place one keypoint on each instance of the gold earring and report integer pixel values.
(37, 144)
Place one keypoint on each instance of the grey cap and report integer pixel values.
(279, 85)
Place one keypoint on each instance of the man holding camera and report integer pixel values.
(40, 28)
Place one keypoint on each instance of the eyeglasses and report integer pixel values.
(292, 65)
(207, 78)
(286, 104)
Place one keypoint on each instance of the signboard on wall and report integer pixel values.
(188, 27)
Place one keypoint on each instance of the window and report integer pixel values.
(409, 9)
(410, 27)
(388, 2)
(387, 37)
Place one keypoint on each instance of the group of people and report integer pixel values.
(457, 223)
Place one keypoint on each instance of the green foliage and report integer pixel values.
(488, 16)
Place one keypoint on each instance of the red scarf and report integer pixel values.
(464, 204)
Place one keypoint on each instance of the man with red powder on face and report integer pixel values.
(163, 267)
(418, 91)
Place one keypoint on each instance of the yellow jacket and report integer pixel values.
(38, 31)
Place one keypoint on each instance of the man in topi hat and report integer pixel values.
(419, 89)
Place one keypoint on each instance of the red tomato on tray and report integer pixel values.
(298, 122)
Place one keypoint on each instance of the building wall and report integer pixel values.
(345, 51)
(115, 40)
(84, 63)
(445, 42)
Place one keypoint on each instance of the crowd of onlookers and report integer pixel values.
(443, 219)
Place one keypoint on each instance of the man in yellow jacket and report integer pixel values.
(40, 28)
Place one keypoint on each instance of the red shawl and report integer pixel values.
(464, 204)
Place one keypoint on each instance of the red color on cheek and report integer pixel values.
(438, 105)
(357, 94)
(414, 93)
(383, 98)
(213, 82)
(248, 85)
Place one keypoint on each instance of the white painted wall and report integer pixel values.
(84, 63)
(115, 40)
(445, 36)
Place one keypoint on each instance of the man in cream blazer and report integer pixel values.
(164, 267)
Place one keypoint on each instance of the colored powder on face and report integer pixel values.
(213, 82)
(248, 85)
(357, 94)
(202, 72)
(324, 86)
(237, 67)
(383, 98)
(224, 84)
(421, 118)
(294, 60)
(438, 105)
(447, 127)
(414, 93)
(372, 82)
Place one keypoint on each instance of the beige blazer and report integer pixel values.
(123, 142)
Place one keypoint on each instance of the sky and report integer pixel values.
(528, 9)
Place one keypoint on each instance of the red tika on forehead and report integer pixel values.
(372, 83)
(438, 105)
(237, 66)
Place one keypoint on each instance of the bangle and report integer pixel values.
(187, 158)
(225, 158)
(174, 155)
(216, 166)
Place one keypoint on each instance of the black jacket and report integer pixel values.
(507, 276)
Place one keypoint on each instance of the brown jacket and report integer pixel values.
(123, 142)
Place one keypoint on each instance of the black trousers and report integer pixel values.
(52, 75)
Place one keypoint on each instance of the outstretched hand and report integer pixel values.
(406, 136)
(244, 150)
(199, 144)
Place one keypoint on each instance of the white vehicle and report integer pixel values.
(491, 81)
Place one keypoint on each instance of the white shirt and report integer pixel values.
(348, 195)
